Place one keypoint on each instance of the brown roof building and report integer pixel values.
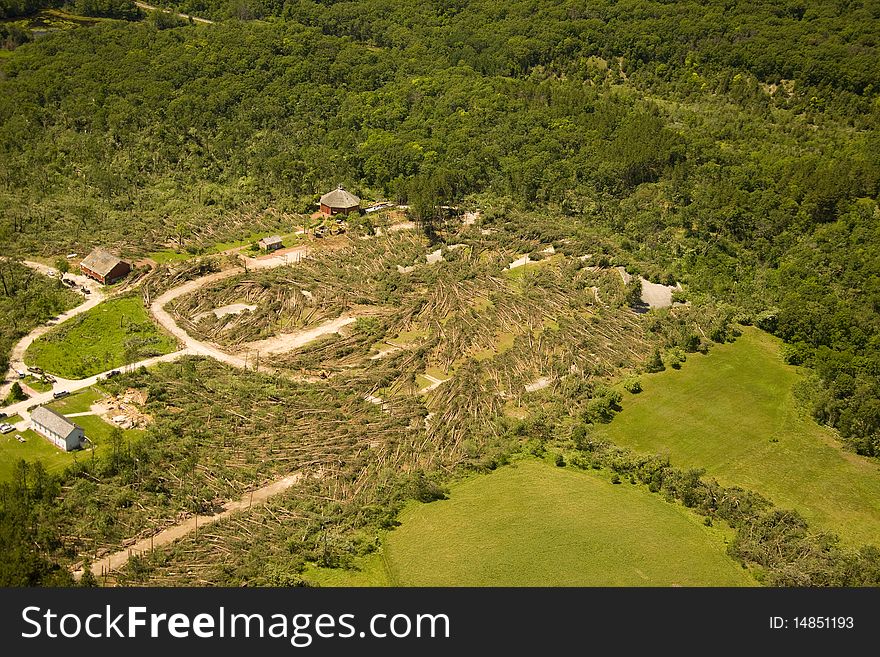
(104, 267)
(339, 201)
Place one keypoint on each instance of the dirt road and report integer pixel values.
(285, 342)
(120, 558)
(16, 356)
(144, 5)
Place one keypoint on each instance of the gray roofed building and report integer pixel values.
(104, 266)
(270, 243)
(339, 200)
(63, 433)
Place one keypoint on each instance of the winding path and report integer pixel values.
(144, 5)
(16, 356)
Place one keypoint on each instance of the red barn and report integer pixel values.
(339, 201)
(104, 267)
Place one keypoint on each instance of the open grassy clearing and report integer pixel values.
(533, 524)
(112, 334)
(49, 20)
(733, 413)
(35, 448)
(78, 402)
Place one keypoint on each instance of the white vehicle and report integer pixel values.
(6, 428)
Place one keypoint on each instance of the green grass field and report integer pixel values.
(533, 524)
(101, 339)
(78, 402)
(36, 384)
(733, 413)
(36, 447)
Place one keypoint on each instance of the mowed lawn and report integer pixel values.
(733, 413)
(109, 335)
(533, 524)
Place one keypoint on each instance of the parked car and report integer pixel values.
(35, 370)
(60, 394)
(85, 290)
(3, 415)
(6, 428)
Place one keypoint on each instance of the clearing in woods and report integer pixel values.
(734, 413)
(127, 335)
(533, 524)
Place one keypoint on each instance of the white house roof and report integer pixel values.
(340, 198)
(53, 421)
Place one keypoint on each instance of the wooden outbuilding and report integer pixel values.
(270, 243)
(340, 201)
(104, 267)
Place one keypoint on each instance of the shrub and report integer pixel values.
(656, 363)
(560, 461)
(602, 408)
(16, 394)
(692, 343)
(676, 358)
(581, 438)
(633, 385)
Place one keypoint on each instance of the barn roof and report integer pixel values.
(101, 262)
(53, 421)
(271, 240)
(340, 198)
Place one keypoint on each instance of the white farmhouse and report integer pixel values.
(63, 433)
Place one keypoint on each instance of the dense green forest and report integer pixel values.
(730, 145)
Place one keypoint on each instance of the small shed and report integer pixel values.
(270, 243)
(104, 267)
(63, 433)
(340, 201)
